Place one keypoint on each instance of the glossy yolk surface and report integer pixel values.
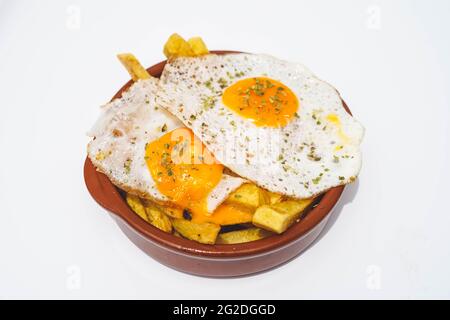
(265, 101)
(183, 169)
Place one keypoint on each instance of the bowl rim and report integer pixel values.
(107, 195)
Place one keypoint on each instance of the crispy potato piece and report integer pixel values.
(136, 205)
(133, 66)
(158, 219)
(229, 214)
(279, 216)
(176, 46)
(200, 232)
(242, 236)
(198, 46)
(172, 212)
(248, 195)
(274, 197)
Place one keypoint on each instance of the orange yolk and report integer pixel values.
(183, 169)
(265, 101)
(227, 214)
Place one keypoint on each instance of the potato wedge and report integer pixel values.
(242, 236)
(198, 46)
(172, 212)
(136, 205)
(158, 219)
(200, 232)
(133, 66)
(279, 216)
(248, 195)
(274, 197)
(176, 46)
(177, 234)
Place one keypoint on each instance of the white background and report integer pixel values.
(389, 59)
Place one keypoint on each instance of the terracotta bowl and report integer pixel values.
(208, 260)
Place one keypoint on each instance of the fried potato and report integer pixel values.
(229, 214)
(158, 219)
(279, 216)
(198, 46)
(242, 236)
(136, 205)
(248, 195)
(172, 212)
(200, 232)
(176, 46)
(274, 197)
(133, 66)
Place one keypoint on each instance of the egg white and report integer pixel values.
(120, 136)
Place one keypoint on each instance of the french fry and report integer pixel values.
(200, 232)
(248, 195)
(177, 234)
(176, 46)
(149, 212)
(136, 205)
(133, 66)
(158, 219)
(198, 46)
(171, 211)
(242, 236)
(280, 216)
(274, 197)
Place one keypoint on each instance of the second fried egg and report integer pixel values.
(270, 121)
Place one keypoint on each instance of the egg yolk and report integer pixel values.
(183, 169)
(265, 101)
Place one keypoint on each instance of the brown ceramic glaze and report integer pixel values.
(208, 260)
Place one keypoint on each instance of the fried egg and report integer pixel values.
(270, 121)
(145, 150)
